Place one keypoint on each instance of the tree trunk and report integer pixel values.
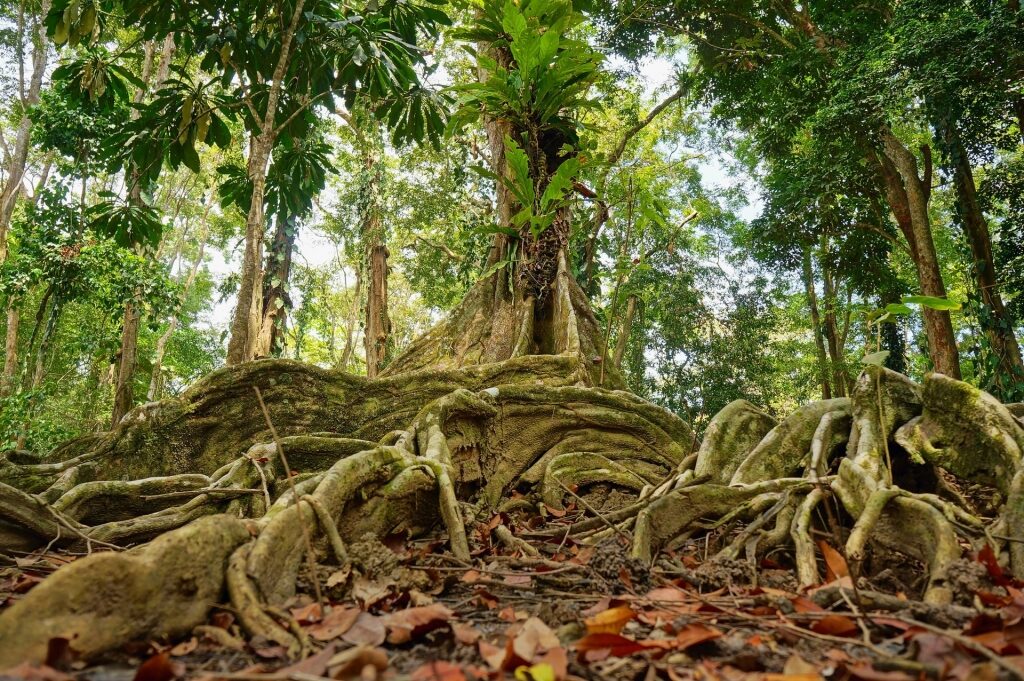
(11, 348)
(377, 333)
(19, 154)
(124, 392)
(353, 319)
(997, 323)
(832, 335)
(245, 323)
(938, 324)
(819, 341)
(276, 300)
(627, 329)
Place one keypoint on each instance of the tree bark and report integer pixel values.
(625, 331)
(276, 300)
(245, 323)
(998, 324)
(832, 335)
(938, 324)
(819, 341)
(19, 155)
(353, 319)
(11, 349)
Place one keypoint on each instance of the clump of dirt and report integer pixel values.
(968, 577)
(611, 561)
(784, 580)
(718, 573)
(372, 558)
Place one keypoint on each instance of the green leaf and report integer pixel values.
(933, 303)
(875, 358)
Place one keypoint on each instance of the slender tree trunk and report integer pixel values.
(377, 332)
(19, 154)
(353, 318)
(938, 324)
(245, 323)
(626, 330)
(124, 391)
(11, 348)
(819, 341)
(156, 377)
(998, 324)
(276, 300)
(832, 334)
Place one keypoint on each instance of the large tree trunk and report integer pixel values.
(998, 324)
(276, 300)
(819, 340)
(833, 337)
(245, 322)
(11, 349)
(910, 205)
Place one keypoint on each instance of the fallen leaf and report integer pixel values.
(367, 630)
(835, 625)
(465, 633)
(339, 620)
(695, 633)
(438, 670)
(339, 577)
(865, 672)
(159, 668)
(471, 576)
(352, 663)
(314, 665)
(798, 666)
(185, 647)
(518, 580)
(534, 637)
(404, 625)
(618, 645)
(610, 621)
(30, 672)
(493, 655)
(558, 659)
(835, 563)
(308, 614)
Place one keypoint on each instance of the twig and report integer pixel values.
(310, 558)
(197, 492)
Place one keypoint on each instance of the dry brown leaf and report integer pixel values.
(352, 663)
(185, 647)
(465, 633)
(339, 620)
(307, 614)
(439, 670)
(835, 564)
(314, 665)
(160, 667)
(534, 637)
(610, 621)
(367, 630)
(406, 624)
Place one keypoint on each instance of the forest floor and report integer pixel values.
(543, 608)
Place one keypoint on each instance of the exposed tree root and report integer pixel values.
(445, 448)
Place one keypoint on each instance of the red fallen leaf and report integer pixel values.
(996, 642)
(368, 630)
(555, 512)
(308, 614)
(835, 625)
(993, 600)
(695, 633)
(407, 624)
(485, 598)
(465, 633)
(507, 614)
(803, 604)
(471, 576)
(439, 670)
(338, 621)
(159, 668)
(222, 619)
(626, 580)
(835, 564)
(988, 558)
(618, 645)
(610, 621)
(602, 605)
